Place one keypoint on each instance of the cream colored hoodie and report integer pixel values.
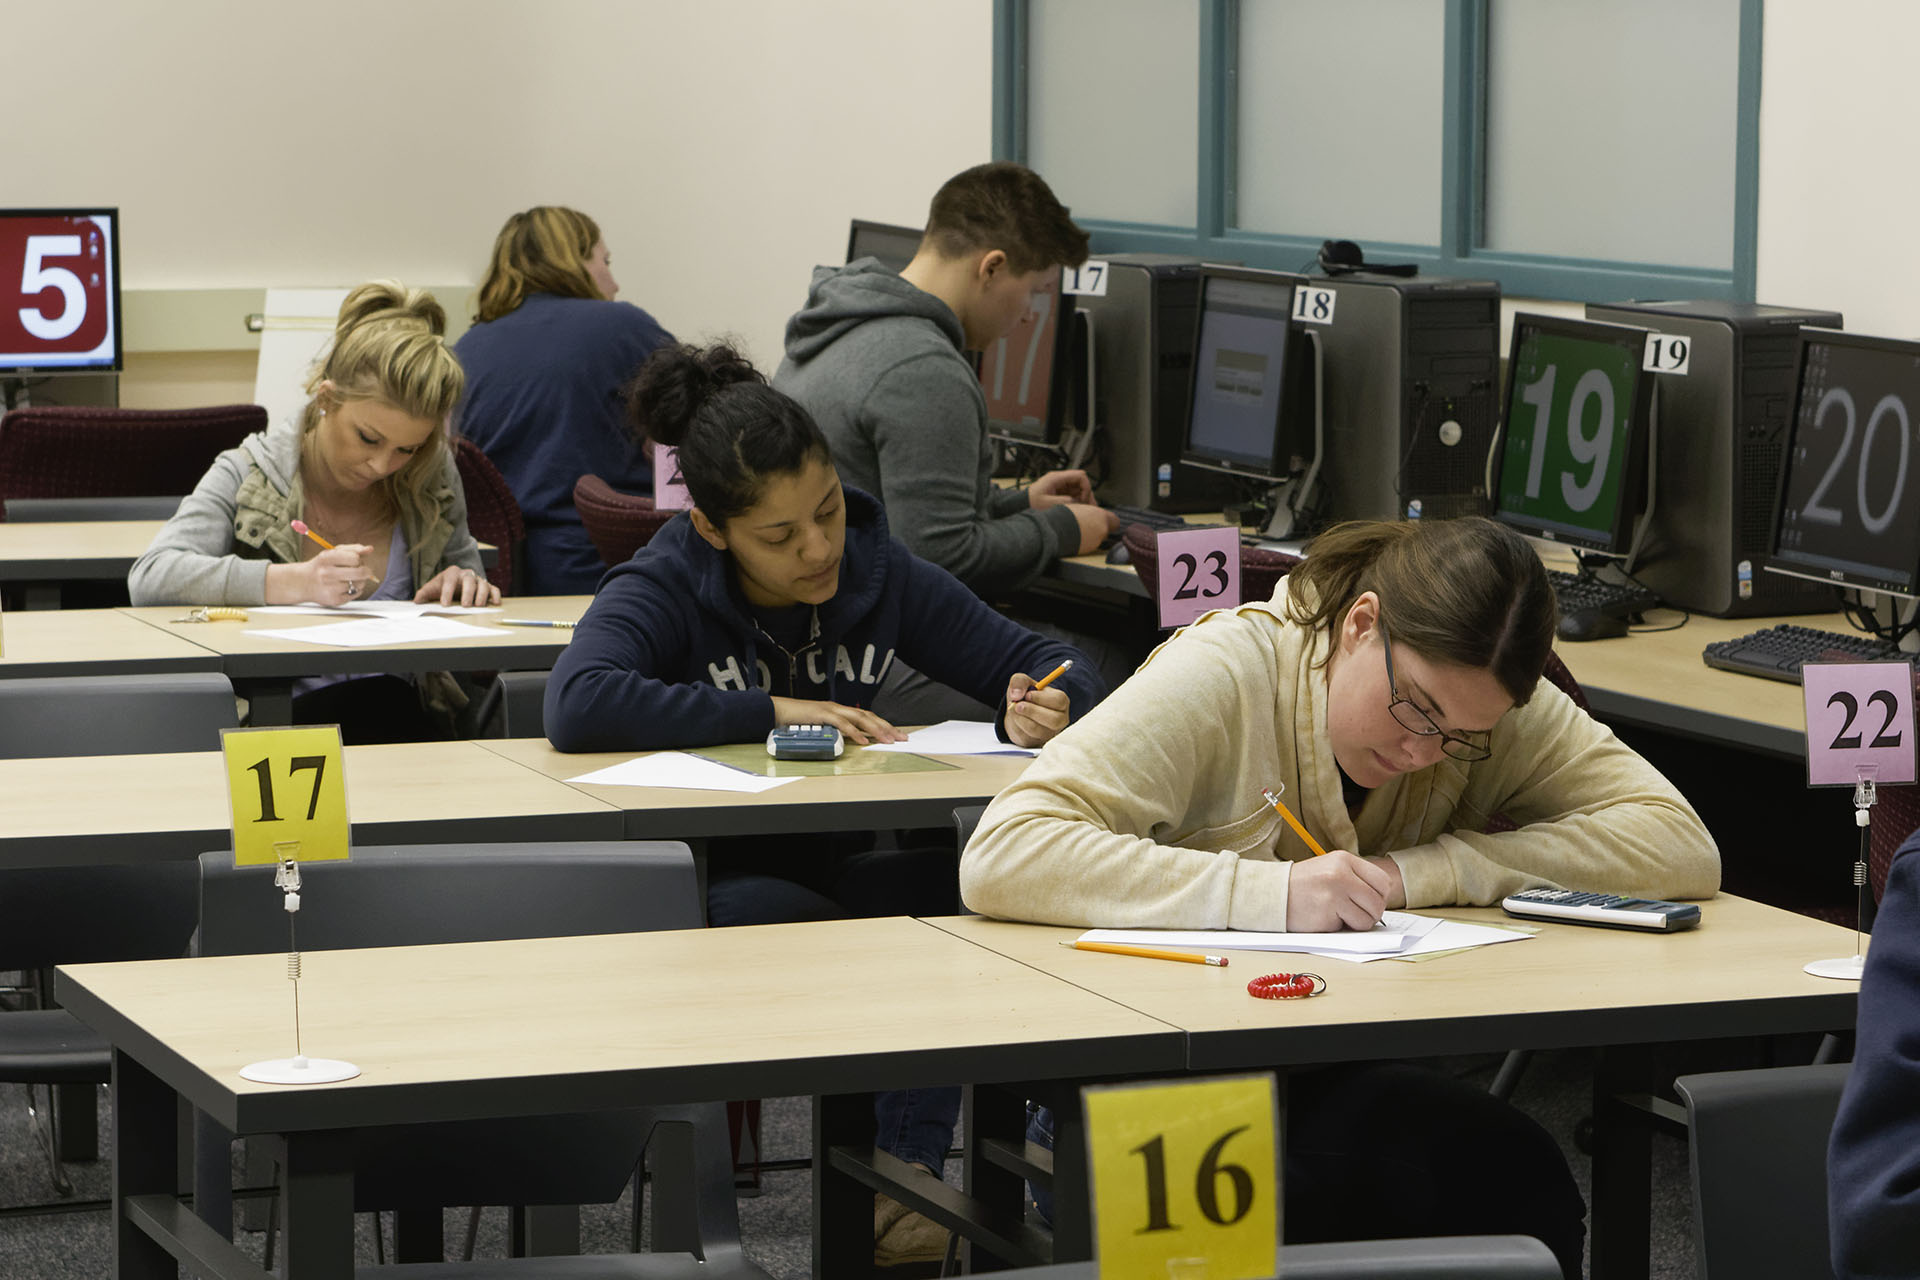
(1147, 812)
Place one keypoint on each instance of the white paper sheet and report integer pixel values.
(955, 738)
(680, 769)
(1450, 935)
(366, 632)
(1393, 934)
(377, 609)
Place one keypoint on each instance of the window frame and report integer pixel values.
(1462, 181)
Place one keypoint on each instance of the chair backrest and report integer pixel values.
(514, 706)
(49, 510)
(52, 451)
(1759, 1154)
(418, 894)
(619, 523)
(1260, 568)
(1895, 817)
(492, 514)
(84, 914)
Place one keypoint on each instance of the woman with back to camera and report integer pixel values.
(365, 466)
(1391, 693)
(546, 363)
(780, 598)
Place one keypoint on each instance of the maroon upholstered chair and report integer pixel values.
(492, 514)
(1260, 569)
(53, 451)
(619, 523)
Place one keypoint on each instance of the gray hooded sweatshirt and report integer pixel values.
(880, 366)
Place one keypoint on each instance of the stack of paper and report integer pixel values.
(1398, 936)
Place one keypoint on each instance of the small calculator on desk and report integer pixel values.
(1568, 906)
(806, 742)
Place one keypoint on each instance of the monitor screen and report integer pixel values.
(1849, 510)
(894, 246)
(59, 290)
(1573, 438)
(1234, 416)
(1027, 373)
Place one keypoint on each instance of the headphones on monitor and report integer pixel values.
(1343, 258)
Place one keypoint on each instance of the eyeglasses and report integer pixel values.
(1468, 747)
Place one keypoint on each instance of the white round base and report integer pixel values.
(1847, 969)
(299, 1071)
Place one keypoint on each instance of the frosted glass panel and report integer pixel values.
(1611, 127)
(1113, 90)
(1340, 118)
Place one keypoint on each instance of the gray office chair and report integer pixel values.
(1437, 1258)
(88, 914)
(1759, 1153)
(513, 706)
(42, 510)
(410, 895)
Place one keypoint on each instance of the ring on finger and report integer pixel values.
(353, 589)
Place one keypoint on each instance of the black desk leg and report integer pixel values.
(145, 1154)
(269, 702)
(77, 1121)
(1620, 1216)
(317, 1204)
(1072, 1188)
(842, 1207)
(993, 1113)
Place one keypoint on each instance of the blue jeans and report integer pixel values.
(917, 1124)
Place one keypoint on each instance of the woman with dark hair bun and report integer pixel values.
(780, 599)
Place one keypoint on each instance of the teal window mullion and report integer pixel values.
(1010, 80)
(1746, 163)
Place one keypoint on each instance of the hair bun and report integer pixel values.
(677, 381)
(391, 300)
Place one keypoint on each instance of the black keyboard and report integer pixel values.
(1151, 519)
(1583, 591)
(1778, 652)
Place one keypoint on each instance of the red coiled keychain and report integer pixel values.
(1287, 986)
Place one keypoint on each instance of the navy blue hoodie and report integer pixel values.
(669, 654)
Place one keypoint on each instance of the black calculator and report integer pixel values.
(1610, 911)
(806, 742)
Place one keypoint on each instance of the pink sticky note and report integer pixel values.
(1199, 570)
(1859, 716)
(669, 490)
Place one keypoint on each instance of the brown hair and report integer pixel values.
(1465, 592)
(543, 250)
(388, 345)
(1004, 206)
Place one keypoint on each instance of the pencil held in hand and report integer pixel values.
(300, 526)
(1053, 675)
(1272, 797)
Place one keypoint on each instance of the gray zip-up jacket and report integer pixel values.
(238, 520)
(880, 366)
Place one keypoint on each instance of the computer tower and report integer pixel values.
(1412, 371)
(1722, 436)
(1143, 334)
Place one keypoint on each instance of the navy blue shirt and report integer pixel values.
(670, 654)
(544, 403)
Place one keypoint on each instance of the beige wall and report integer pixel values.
(1838, 186)
(722, 145)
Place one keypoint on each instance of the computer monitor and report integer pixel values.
(1029, 375)
(1849, 503)
(894, 246)
(59, 291)
(1571, 459)
(1237, 419)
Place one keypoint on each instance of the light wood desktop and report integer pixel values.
(95, 809)
(72, 642)
(72, 551)
(1738, 974)
(568, 1024)
(263, 668)
(849, 802)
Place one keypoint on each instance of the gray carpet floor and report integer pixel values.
(775, 1224)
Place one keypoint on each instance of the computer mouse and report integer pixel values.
(1118, 554)
(1590, 624)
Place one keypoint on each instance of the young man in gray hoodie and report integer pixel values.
(880, 362)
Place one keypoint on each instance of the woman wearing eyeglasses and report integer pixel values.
(1391, 694)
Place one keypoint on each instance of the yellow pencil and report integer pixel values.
(1273, 798)
(1151, 953)
(1052, 675)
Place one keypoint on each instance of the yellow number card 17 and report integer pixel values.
(1186, 1185)
(288, 791)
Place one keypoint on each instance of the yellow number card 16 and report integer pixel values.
(288, 792)
(1185, 1181)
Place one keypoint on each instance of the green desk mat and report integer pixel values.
(752, 757)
